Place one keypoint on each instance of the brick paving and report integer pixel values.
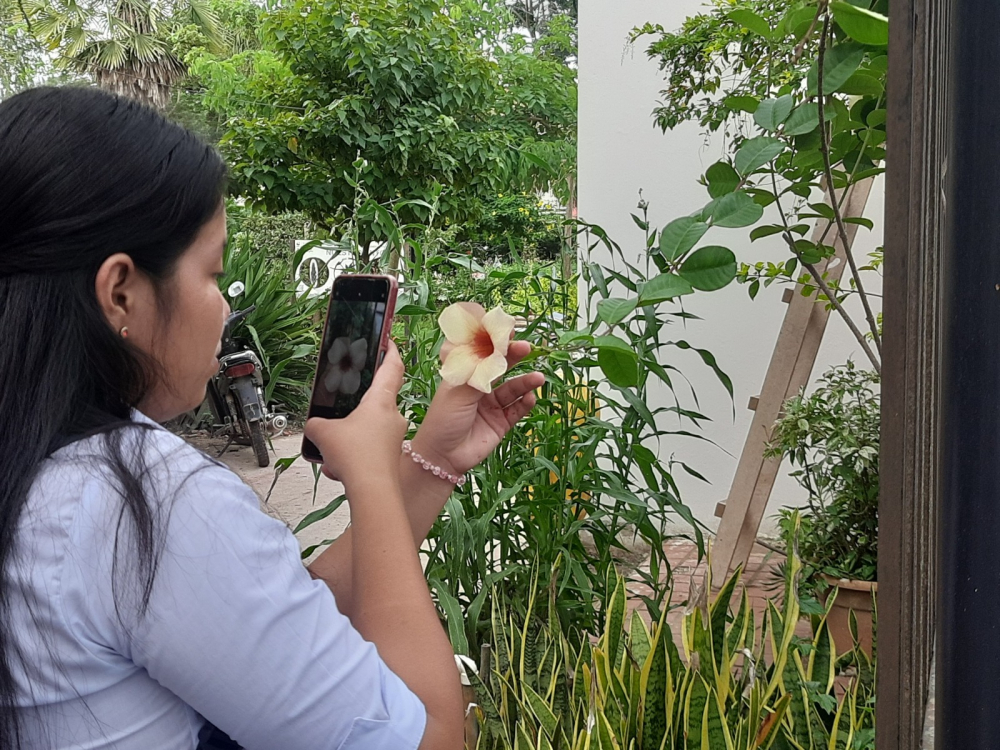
(689, 575)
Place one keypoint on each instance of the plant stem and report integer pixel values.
(823, 286)
(828, 169)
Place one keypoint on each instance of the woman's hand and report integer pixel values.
(368, 441)
(464, 425)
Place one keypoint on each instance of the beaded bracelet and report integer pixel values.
(428, 466)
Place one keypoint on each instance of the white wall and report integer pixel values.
(622, 151)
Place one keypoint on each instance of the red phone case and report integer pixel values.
(383, 346)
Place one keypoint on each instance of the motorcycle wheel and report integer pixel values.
(259, 443)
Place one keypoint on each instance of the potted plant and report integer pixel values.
(831, 438)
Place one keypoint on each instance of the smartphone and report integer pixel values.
(355, 339)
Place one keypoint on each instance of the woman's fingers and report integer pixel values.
(389, 376)
(520, 408)
(517, 351)
(515, 388)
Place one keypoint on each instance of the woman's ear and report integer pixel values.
(118, 289)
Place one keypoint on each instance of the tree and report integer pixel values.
(123, 44)
(537, 15)
(24, 61)
(390, 98)
(801, 91)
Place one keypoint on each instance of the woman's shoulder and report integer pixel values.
(140, 448)
(137, 458)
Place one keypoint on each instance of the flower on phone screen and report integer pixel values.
(475, 352)
(347, 360)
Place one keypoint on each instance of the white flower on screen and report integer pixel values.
(347, 359)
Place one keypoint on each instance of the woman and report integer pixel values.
(144, 597)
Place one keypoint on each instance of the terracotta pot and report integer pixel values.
(851, 595)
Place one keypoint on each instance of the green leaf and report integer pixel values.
(742, 103)
(414, 310)
(710, 268)
(842, 61)
(615, 623)
(722, 179)
(681, 235)
(735, 210)
(862, 84)
(664, 287)
(319, 515)
(756, 152)
(618, 361)
(862, 25)
(540, 710)
(772, 112)
(750, 20)
(614, 310)
(805, 119)
(453, 613)
(876, 117)
(653, 685)
(766, 231)
(860, 220)
(709, 359)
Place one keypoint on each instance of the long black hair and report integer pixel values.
(83, 175)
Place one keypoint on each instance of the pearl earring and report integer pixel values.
(123, 332)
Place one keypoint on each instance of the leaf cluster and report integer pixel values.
(729, 682)
(831, 438)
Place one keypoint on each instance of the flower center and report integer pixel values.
(482, 344)
(346, 362)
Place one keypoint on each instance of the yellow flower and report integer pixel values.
(475, 352)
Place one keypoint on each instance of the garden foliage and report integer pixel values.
(799, 90)
(284, 329)
(729, 680)
(831, 438)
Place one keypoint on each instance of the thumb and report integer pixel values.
(388, 378)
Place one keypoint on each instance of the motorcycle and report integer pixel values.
(236, 392)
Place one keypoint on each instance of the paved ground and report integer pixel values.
(689, 576)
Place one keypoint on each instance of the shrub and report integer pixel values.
(513, 226)
(728, 682)
(832, 438)
(272, 235)
(284, 329)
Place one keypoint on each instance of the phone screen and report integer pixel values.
(350, 348)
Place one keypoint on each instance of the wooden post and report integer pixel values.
(791, 365)
(920, 113)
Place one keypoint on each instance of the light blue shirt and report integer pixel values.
(237, 632)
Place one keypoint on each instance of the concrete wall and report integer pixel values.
(620, 152)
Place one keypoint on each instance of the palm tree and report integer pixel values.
(123, 44)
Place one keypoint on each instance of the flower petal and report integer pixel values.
(459, 365)
(446, 348)
(332, 379)
(499, 325)
(488, 370)
(338, 349)
(359, 354)
(350, 382)
(460, 321)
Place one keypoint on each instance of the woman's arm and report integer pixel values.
(425, 496)
(390, 604)
(392, 608)
(461, 428)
